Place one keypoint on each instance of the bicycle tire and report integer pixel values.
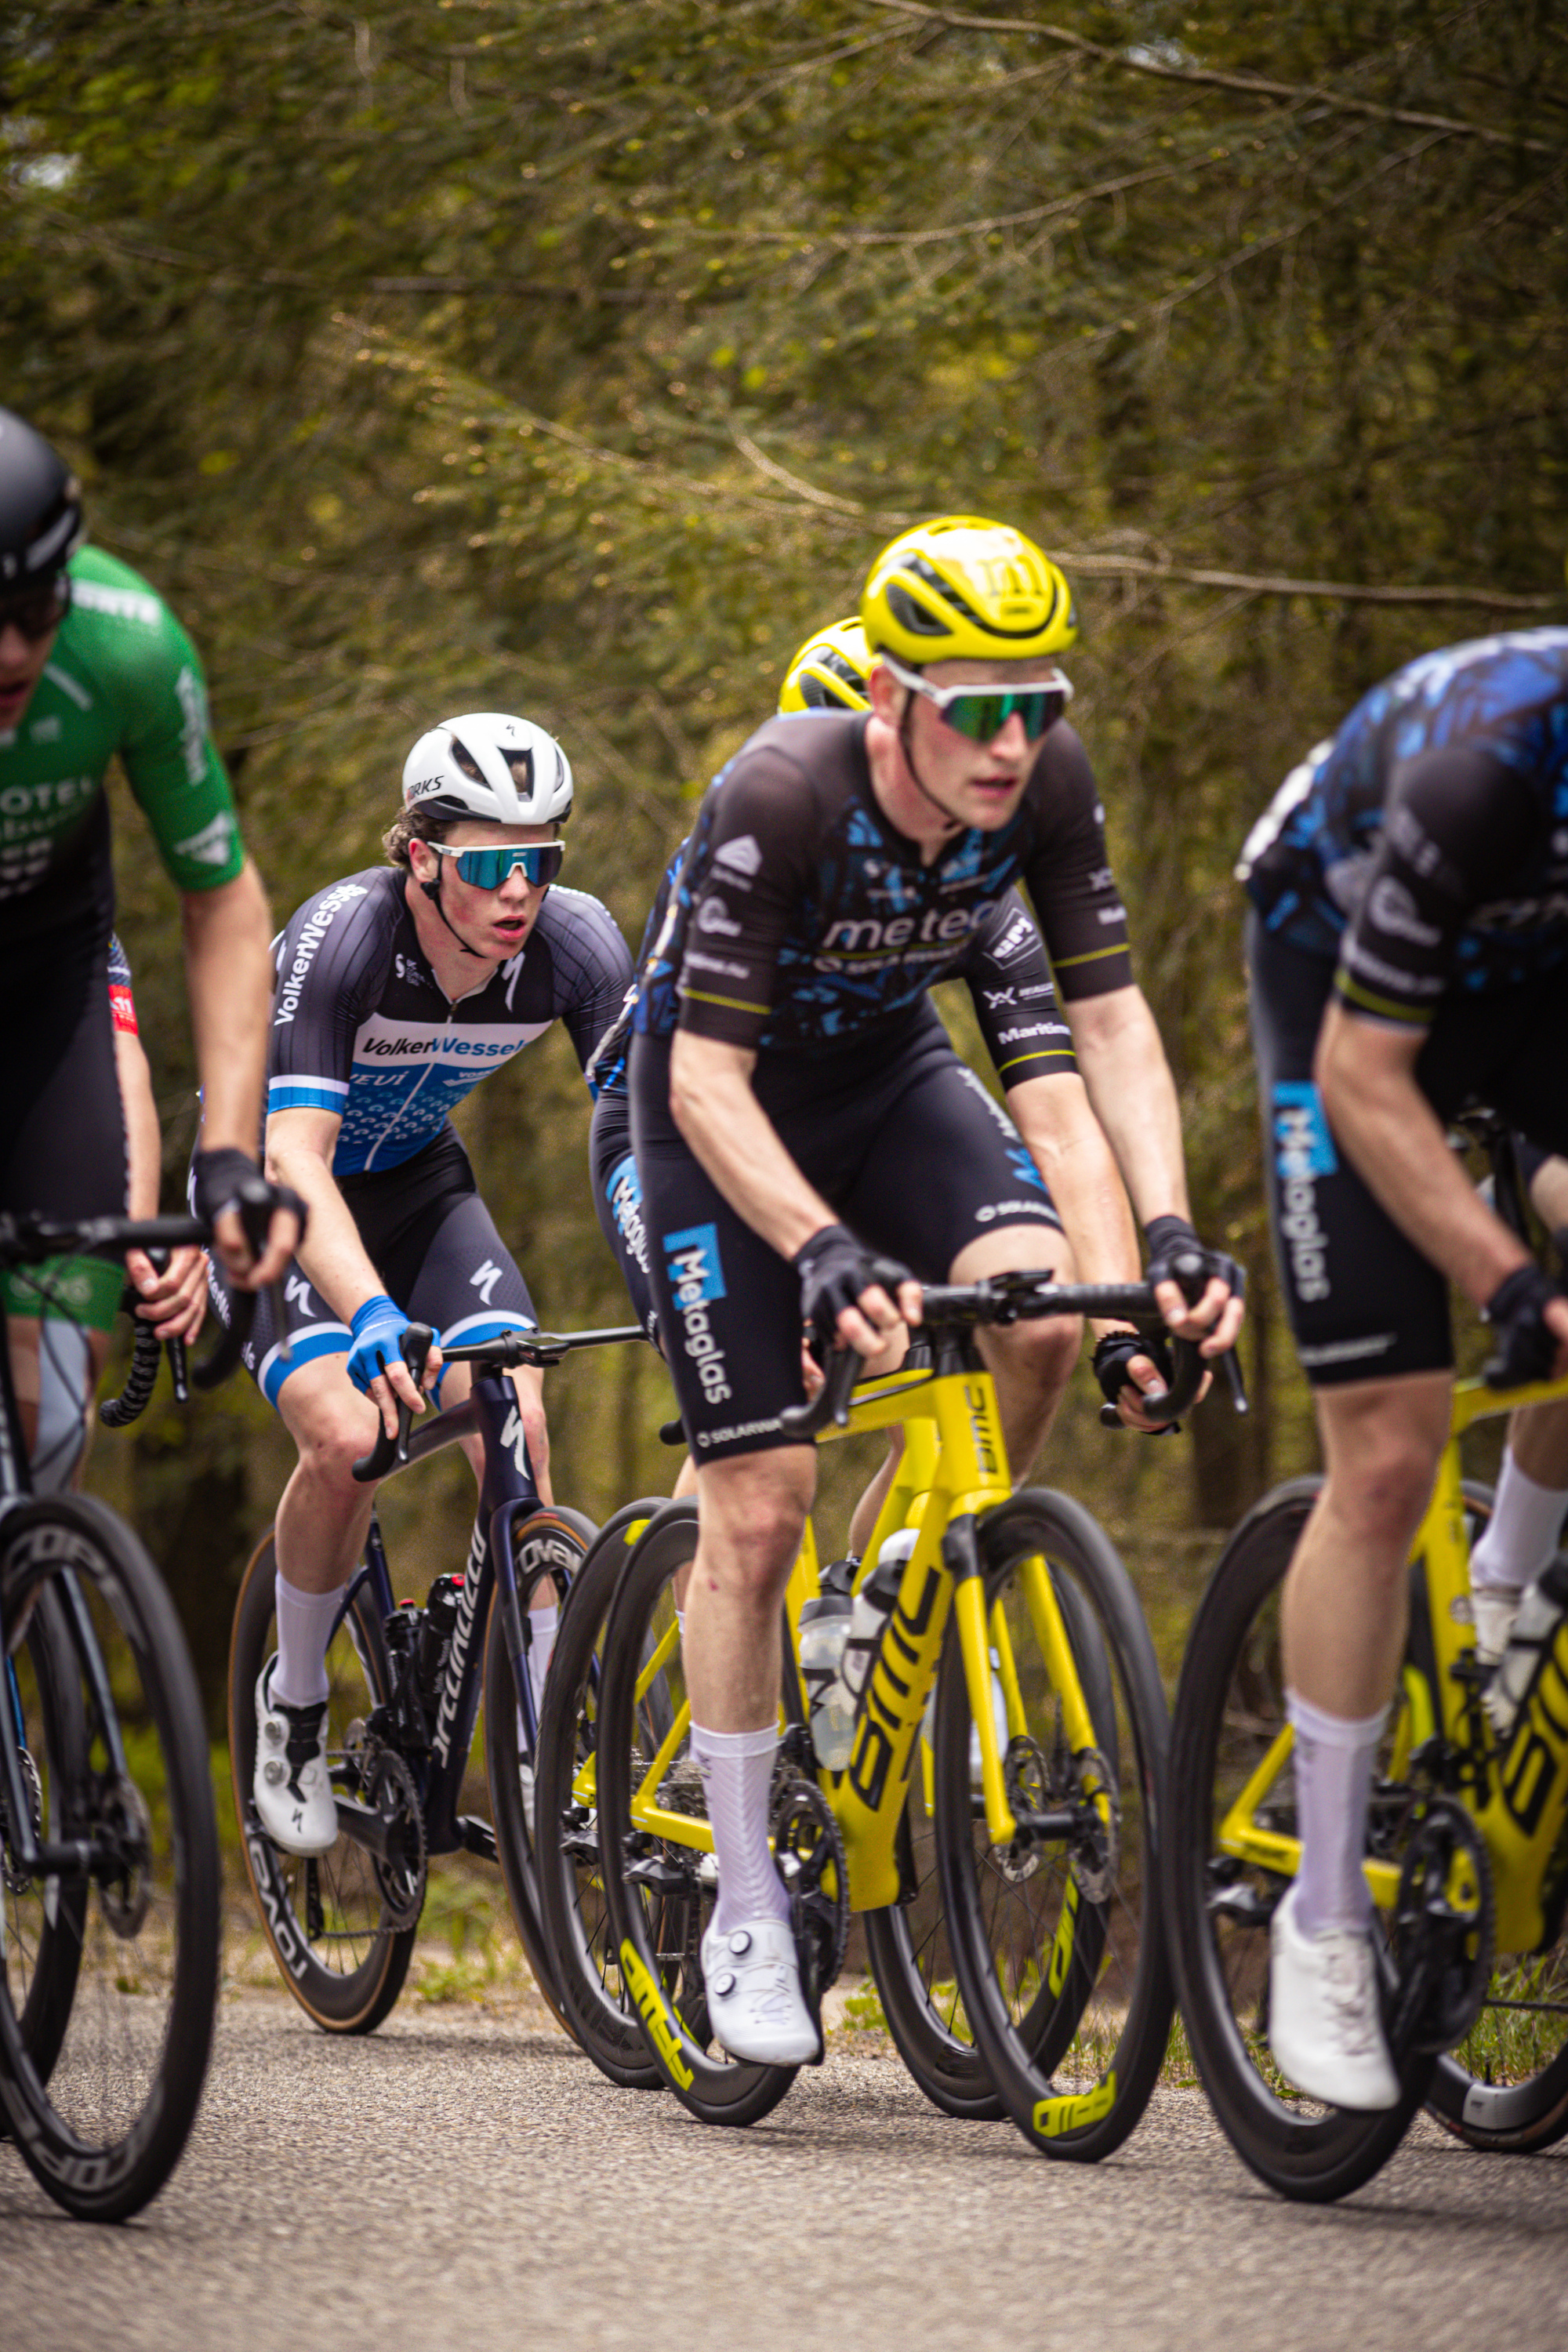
(42, 1929)
(595, 2004)
(1074, 1976)
(104, 2133)
(551, 1542)
(1231, 1693)
(657, 1935)
(355, 1998)
(1525, 2115)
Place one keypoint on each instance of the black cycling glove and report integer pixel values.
(1114, 1352)
(833, 1269)
(1176, 1254)
(230, 1179)
(1527, 1345)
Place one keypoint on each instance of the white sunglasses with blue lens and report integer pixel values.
(487, 870)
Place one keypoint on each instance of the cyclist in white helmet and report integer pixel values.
(397, 989)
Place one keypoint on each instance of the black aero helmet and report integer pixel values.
(41, 517)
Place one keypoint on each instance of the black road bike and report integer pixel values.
(405, 1687)
(109, 1872)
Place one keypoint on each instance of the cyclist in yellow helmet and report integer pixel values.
(810, 1147)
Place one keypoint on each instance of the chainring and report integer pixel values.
(390, 1790)
(1444, 1922)
(809, 1851)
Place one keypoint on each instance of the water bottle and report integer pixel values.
(823, 1631)
(873, 1607)
(1540, 1612)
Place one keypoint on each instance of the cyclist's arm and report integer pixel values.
(1395, 1139)
(299, 1148)
(1069, 1148)
(174, 1301)
(736, 1144)
(228, 975)
(1135, 1098)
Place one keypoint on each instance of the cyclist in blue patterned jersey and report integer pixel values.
(94, 666)
(1408, 946)
(796, 1112)
(398, 991)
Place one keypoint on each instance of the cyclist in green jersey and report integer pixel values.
(93, 666)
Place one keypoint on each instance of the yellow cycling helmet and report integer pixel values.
(830, 672)
(962, 589)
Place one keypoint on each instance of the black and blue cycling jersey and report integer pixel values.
(801, 919)
(1425, 847)
(361, 1025)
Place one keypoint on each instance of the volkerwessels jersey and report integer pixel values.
(802, 919)
(361, 1026)
(1426, 847)
(122, 676)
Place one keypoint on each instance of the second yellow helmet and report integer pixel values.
(830, 672)
(962, 589)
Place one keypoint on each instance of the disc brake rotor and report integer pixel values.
(126, 1890)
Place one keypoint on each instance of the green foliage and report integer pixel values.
(510, 352)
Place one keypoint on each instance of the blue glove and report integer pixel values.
(378, 1328)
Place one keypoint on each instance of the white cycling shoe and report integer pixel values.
(1324, 2025)
(291, 1788)
(754, 2001)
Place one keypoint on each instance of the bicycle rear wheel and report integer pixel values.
(328, 1918)
(127, 1778)
(660, 1890)
(1229, 1715)
(1058, 1937)
(596, 2002)
(552, 1543)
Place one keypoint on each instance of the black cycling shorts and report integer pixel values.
(1364, 1302)
(617, 1201)
(429, 1238)
(903, 1140)
(62, 1137)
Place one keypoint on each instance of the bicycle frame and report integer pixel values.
(955, 1467)
(1518, 1796)
(508, 1496)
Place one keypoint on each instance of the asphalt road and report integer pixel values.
(465, 2181)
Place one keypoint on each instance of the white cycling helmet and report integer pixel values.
(502, 771)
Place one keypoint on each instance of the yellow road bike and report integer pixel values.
(1035, 1776)
(1466, 1855)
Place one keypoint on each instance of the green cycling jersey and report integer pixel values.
(122, 676)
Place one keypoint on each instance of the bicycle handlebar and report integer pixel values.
(504, 1352)
(1007, 1299)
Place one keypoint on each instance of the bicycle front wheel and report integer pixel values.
(107, 1707)
(595, 1999)
(1230, 1721)
(659, 1884)
(1057, 1935)
(333, 1930)
(550, 1544)
(911, 1954)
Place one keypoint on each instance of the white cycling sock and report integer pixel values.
(542, 1625)
(304, 1624)
(1520, 1537)
(1333, 1762)
(737, 1769)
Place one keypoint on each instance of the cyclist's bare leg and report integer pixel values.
(83, 1370)
(1031, 1363)
(863, 1520)
(1538, 1441)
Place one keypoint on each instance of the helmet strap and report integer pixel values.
(432, 892)
(954, 824)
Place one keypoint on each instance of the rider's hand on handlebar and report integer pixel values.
(176, 1300)
(376, 1362)
(1214, 1319)
(850, 1296)
(1129, 1369)
(257, 1225)
(1529, 1315)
